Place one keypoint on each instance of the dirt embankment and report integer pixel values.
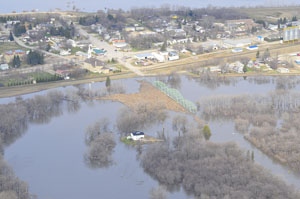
(147, 94)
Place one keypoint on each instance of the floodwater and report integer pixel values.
(50, 157)
(94, 5)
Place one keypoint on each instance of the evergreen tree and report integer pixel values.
(284, 21)
(16, 62)
(206, 132)
(245, 69)
(266, 54)
(107, 83)
(35, 58)
(164, 47)
(11, 37)
(19, 29)
(48, 47)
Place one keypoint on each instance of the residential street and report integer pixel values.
(111, 51)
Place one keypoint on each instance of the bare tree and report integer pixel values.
(158, 193)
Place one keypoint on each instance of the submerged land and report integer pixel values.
(216, 91)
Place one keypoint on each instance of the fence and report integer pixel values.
(176, 95)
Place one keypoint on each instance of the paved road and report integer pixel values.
(111, 50)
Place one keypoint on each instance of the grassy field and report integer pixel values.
(272, 14)
(9, 46)
(128, 142)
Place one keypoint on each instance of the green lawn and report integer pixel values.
(9, 46)
(128, 142)
(26, 79)
(74, 50)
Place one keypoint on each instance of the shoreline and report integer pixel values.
(6, 92)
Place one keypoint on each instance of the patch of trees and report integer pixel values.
(35, 58)
(158, 193)
(48, 78)
(173, 80)
(101, 142)
(210, 79)
(262, 22)
(67, 32)
(16, 61)
(19, 82)
(270, 122)
(185, 12)
(114, 88)
(15, 116)
(88, 20)
(14, 120)
(5, 19)
(210, 170)
(19, 29)
(143, 116)
(144, 42)
(11, 187)
(112, 20)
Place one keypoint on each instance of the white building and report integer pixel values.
(71, 42)
(283, 70)
(136, 136)
(4, 67)
(120, 44)
(173, 56)
(159, 57)
(230, 43)
(144, 56)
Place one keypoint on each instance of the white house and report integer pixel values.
(137, 135)
(4, 67)
(173, 56)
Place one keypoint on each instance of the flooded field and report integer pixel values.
(50, 155)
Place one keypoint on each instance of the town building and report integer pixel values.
(283, 70)
(4, 67)
(173, 56)
(291, 33)
(144, 56)
(238, 43)
(254, 47)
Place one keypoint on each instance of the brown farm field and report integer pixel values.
(272, 13)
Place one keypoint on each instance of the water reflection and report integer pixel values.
(61, 138)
